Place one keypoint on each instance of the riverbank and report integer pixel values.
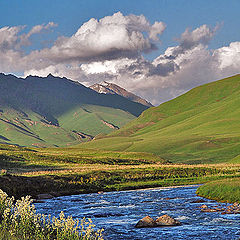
(225, 190)
(127, 178)
(32, 171)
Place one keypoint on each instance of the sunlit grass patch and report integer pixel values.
(227, 190)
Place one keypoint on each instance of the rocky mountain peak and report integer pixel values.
(111, 88)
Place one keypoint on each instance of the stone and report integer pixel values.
(146, 222)
(203, 206)
(236, 204)
(209, 210)
(166, 220)
(167, 198)
(44, 196)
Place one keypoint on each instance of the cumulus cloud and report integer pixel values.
(9, 38)
(177, 70)
(35, 30)
(11, 42)
(112, 37)
(228, 56)
(156, 29)
(201, 35)
(188, 41)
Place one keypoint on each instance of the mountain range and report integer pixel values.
(52, 111)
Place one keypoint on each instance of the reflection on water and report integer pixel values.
(118, 212)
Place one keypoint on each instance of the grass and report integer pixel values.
(76, 181)
(201, 126)
(17, 159)
(76, 125)
(226, 190)
(64, 171)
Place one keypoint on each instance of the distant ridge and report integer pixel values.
(111, 88)
(54, 111)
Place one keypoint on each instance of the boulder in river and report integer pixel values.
(146, 222)
(166, 220)
(203, 206)
(162, 221)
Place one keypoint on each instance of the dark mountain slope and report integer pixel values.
(30, 107)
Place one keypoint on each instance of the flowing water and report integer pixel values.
(118, 212)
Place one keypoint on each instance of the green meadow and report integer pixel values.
(200, 126)
(64, 171)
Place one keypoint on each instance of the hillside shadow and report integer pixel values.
(4, 138)
(18, 164)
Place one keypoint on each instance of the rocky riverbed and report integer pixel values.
(229, 209)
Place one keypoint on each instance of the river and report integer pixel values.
(118, 212)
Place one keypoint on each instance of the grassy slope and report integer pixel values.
(87, 119)
(201, 126)
(227, 190)
(44, 112)
(33, 130)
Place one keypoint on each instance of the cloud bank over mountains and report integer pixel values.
(113, 49)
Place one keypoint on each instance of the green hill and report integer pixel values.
(201, 126)
(55, 111)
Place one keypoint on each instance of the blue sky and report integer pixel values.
(177, 15)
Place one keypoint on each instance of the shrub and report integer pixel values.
(19, 220)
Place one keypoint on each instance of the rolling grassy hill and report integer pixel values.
(53, 111)
(201, 126)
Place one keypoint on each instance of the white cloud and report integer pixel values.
(12, 56)
(112, 37)
(202, 34)
(228, 56)
(9, 38)
(109, 66)
(156, 29)
(35, 30)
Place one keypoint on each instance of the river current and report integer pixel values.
(118, 212)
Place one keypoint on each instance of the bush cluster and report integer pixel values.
(19, 220)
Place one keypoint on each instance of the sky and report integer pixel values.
(157, 49)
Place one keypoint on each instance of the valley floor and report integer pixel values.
(73, 171)
(69, 171)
